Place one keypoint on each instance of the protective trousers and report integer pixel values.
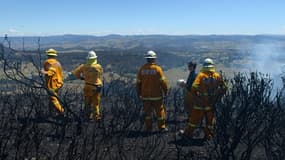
(92, 99)
(197, 115)
(54, 101)
(148, 106)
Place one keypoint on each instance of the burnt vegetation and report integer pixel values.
(250, 120)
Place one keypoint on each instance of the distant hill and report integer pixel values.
(161, 42)
(242, 52)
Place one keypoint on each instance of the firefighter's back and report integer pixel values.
(150, 80)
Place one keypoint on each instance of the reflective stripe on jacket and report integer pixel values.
(206, 108)
(151, 82)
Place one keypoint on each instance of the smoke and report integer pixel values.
(267, 58)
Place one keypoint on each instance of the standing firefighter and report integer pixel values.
(206, 90)
(92, 73)
(150, 84)
(53, 78)
(188, 85)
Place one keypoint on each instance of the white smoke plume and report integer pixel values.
(268, 58)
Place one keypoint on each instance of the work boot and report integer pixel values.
(163, 130)
(181, 133)
(207, 138)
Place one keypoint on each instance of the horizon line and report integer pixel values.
(125, 35)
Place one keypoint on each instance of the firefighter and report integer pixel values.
(53, 78)
(92, 73)
(206, 90)
(188, 84)
(150, 84)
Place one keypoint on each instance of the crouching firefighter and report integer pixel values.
(150, 85)
(53, 78)
(207, 88)
(92, 73)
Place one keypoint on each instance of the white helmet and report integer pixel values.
(91, 55)
(51, 52)
(208, 62)
(150, 54)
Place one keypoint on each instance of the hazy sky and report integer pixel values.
(128, 17)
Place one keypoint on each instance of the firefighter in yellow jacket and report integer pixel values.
(53, 78)
(206, 90)
(92, 73)
(150, 85)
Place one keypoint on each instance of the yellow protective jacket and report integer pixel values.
(151, 82)
(207, 88)
(54, 74)
(91, 73)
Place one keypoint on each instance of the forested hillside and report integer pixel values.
(228, 50)
(124, 54)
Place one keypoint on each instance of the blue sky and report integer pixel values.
(135, 17)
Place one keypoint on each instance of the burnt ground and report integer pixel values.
(249, 126)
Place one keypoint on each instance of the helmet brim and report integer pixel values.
(51, 54)
(150, 57)
(91, 57)
(209, 66)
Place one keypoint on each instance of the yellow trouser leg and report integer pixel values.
(56, 103)
(96, 104)
(195, 117)
(147, 108)
(88, 107)
(160, 113)
(210, 122)
(92, 103)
